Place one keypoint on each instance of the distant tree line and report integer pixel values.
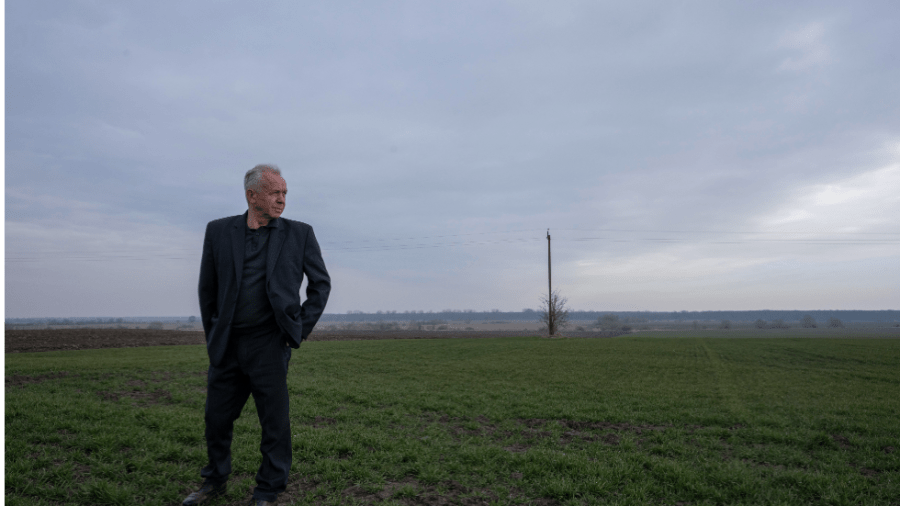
(94, 320)
(772, 316)
(65, 321)
(807, 322)
(612, 321)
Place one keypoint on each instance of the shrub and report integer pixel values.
(726, 324)
(835, 323)
(760, 324)
(779, 324)
(808, 322)
(553, 312)
(608, 321)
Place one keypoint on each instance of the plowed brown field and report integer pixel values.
(19, 341)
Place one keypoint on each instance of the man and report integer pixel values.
(250, 276)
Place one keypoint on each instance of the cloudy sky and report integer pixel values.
(684, 155)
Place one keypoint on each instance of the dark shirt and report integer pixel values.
(253, 314)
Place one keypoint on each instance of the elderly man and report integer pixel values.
(250, 276)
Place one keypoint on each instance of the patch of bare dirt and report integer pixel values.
(637, 429)
(762, 463)
(20, 380)
(140, 397)
(570, 436)
(869, 473)
(842, 441)
(407, 491)
(321, 421)
(535, 430)
(517, 448)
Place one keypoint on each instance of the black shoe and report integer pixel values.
(260, 502)
(207, 491)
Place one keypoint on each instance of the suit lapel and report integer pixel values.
(275, 242)
(237, 247)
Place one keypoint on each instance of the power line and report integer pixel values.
(417, 238)
(436, 245)
(392, 244)
(737, 232)
(747, 241)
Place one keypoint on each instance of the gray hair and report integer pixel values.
(253, 176)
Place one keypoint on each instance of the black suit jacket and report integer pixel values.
(292, 252)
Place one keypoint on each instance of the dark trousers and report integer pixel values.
(253, 365)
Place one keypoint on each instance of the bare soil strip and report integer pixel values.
(23, 341)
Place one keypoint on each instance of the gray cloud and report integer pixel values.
(408, 126)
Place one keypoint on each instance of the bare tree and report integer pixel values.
(554, 312)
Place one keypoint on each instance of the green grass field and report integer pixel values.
(632, 420)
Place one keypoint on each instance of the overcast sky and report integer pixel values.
(684, 155)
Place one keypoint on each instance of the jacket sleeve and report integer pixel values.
(208, 289)
(318, 284)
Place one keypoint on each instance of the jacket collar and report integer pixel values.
(276, 239)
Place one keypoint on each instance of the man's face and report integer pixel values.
(268, 199)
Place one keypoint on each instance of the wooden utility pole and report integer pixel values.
(550, 308)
